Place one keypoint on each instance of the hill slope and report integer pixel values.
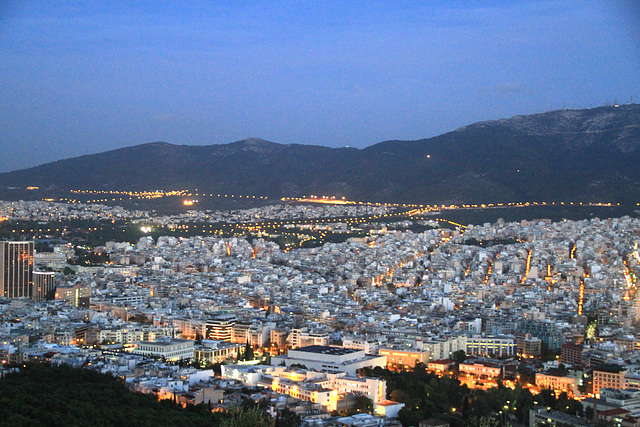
(64, 396)
(566, 154)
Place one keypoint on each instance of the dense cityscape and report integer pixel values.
(237, 312)
(320, 213)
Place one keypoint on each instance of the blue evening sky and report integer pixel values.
(79, 78)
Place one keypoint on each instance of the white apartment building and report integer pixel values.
(444, 349)
(369, 345)
(305, 337)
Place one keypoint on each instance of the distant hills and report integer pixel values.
(581, 155)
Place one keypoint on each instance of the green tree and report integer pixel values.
(248, 352)
(459, 356)
(484, 422)
(288, 418)
(364, 404)
(254, 417)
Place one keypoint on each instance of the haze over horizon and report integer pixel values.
(79, 78)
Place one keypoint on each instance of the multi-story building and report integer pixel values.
(256, 334)
(558, 383)
(490, 345)
(548, 332)
(325, 358)
(609, 376)
(407, 358)
(628, 400)
(189, 328)
(329, 390)
(120, 336)
(369, 345)
(219, 328)
(43, 286)
(171, 350)
(531, 347)
(16, 269)
(217, 352)
(444, 349)
(481, 369)
(572, 354)
(543, 416)
(77, 294)
(305, 337)
(278, 338)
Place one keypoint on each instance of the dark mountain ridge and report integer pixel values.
(580, 155)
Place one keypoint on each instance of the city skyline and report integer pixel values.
(82, 79)
(531, 305)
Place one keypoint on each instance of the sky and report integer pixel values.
(80, 78)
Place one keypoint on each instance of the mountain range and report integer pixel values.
(578, 155)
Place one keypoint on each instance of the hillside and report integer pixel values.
(64, 396)
(559, 155)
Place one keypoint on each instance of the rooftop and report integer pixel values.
(325, 349)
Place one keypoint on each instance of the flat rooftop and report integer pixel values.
(325, 349)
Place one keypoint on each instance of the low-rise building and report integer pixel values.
(481, 369)
(558, 383)
(404, 358)
(171, 350)
(325, 358)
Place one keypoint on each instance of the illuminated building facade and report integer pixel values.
(490, 345)
(217, 351)
(78, 295)
(16, 269)
(326, 389)
(481, 369)
(558, 384)
(609, 376)
(404, 358)
(219, 328)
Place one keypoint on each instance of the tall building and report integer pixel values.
(16, 269)
(43, 286)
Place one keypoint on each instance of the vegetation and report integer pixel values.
(243, 417)
(40, 395)
(426, 395)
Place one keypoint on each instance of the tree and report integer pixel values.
(484, 422)
(364, 404)
(459, 356)
(288, 418)
(589, 412)
(267, 358)
(239, 417)
(49, 395)
(248, 352)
